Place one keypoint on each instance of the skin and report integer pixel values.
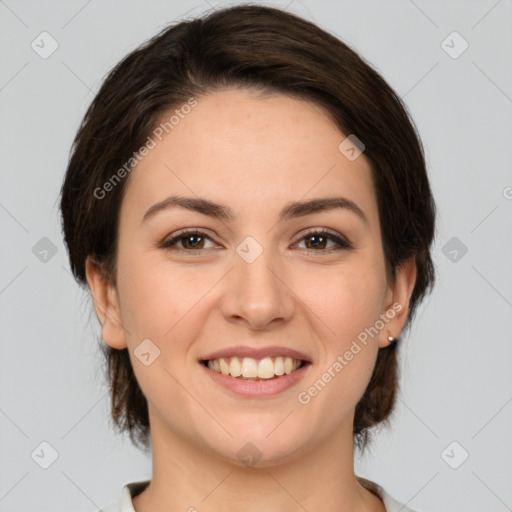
(255, 156)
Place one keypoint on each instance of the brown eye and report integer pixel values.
(316, 241)
(191, 241)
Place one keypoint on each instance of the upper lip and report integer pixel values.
(256, 353)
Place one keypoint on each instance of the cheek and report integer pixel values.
(155, 296)
(348, 302)
(347, 298)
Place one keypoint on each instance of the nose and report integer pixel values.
(257, 293)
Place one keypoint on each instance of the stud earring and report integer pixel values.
(391, 339)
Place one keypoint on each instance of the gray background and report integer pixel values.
(456, 378)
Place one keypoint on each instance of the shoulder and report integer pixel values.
(390, 503)
(124, 502)
(113, 506)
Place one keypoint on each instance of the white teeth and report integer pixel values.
(235, 369)
(224, 368)
(250, 368)
(279, 366)
(266, 368)
(288, 365)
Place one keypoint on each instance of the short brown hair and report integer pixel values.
(247, 47)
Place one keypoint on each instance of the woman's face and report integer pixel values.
(257, 283)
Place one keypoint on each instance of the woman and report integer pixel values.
(248, 204)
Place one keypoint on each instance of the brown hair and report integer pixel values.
(270, 50)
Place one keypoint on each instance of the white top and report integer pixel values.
(124, 503)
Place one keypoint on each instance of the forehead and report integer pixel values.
(236, 147)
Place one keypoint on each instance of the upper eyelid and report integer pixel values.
(189, 231)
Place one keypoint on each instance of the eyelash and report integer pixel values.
(342, 244)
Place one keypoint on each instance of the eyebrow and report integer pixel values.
(218, 211)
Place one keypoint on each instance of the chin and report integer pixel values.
(256, 448)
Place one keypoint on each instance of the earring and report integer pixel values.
(391, 339)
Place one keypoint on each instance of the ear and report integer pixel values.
(106, 304)
(397, 301)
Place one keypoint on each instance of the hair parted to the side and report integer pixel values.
(272, 51)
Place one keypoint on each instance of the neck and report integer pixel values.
(186, 478)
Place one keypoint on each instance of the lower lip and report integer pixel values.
(258, 388)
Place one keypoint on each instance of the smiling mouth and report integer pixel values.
(248, 368)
